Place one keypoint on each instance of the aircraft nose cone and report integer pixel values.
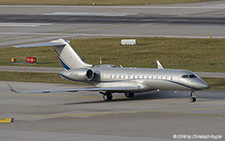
(203, 85)
(199, 84)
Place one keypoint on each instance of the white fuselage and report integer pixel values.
(145, 78)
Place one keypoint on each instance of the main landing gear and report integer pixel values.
(107, 96)
(129, 95)
(193, 96)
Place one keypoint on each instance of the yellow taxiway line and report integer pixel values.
(6, 120)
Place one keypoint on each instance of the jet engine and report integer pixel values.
(82, 74)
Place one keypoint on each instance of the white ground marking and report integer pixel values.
(25, 24)
(89, 14)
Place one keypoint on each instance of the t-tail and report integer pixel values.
(68, 57)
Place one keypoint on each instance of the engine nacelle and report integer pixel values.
(82, 74)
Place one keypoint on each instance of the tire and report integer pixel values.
(129, 95)
(193, 99)
(108, 97)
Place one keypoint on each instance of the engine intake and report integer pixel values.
(89, 74)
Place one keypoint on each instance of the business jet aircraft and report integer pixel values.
(109, 79)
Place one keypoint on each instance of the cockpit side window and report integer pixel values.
(184, 76)
(192, 76)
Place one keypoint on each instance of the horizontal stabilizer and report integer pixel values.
(52, 43)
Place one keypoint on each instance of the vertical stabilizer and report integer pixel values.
(68, 57)
(66, 54)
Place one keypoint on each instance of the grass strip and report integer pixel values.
(97, 2)
(203, 55)
(214, 83)
(217, 84)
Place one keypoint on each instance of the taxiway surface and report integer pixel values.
(85, 116)
(23, 24)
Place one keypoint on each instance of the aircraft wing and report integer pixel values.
(76, 90)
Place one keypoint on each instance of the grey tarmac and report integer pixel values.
(162, 115)
(27, 24)
(154, 115)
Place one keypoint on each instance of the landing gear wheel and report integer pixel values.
(193, 99)
(108, 96)
(193, 96)
(129, 95)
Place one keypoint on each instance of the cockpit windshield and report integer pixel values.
(189, 76)
(192, 76)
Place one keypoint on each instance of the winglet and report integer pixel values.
(159, 66)
(12, 89)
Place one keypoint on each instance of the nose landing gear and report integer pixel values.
(193, 96)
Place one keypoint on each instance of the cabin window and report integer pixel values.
(147, 77)
(119, 76)
(110, 76)
(134, 77)
(115, 76)
(124, 77)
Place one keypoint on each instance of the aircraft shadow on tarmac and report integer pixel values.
(138, 96)
(154, 95)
